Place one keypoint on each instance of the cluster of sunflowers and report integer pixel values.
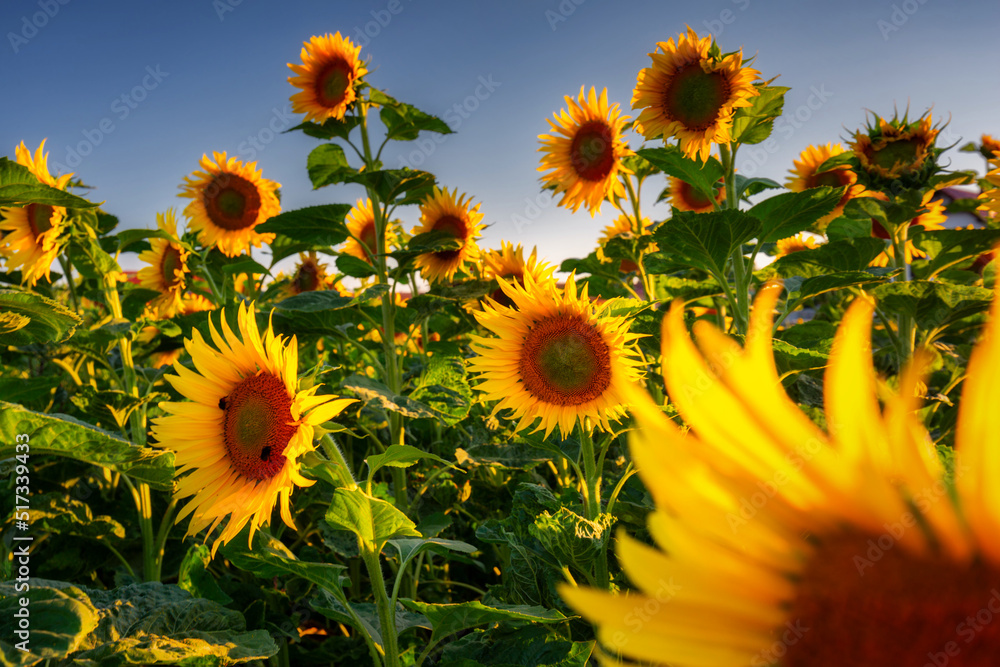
(812, 488)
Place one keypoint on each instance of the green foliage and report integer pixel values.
(27, 318)
(18, 187)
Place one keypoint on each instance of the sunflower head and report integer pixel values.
(583, 157)
(509, 263)
(794, 244)
(771, 534)
(310, 275)
(807, 175)
(557, 358)
(328, 76)
(168, 267)
(690, 92)
(32, 240)
(363, 242)
(238, 438)
(228, 200)
(454, 215)
(683, 197)
(897, 149)
(989, 147)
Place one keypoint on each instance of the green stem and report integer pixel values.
(740, 296)
(386, 614)
(67, 268)
(333, 451)
(907, 332)
(120, 557)
(647, 280)
(143, 504)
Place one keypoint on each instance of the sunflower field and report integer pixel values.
(761, 431)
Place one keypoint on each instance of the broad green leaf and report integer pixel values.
(947, 248)
(791, 359)
(320, 225)
(327, 165)
(444, 388)
(404, 122)
(835, 256)
(447, 619)
(26, 317)
(409, 547)
(374, 391)
(62, 435)
(319, 312)
(933, 305)
(59, 621)
(270, 558)
(57, 513)
(753, 124)
(435, 241)
(848, 228)
(789, 213)
(399, 186)
(331, 129)
(399, 456)
(800, 289)
(688, 289)
(526, 645)
(18, 186)
(670, 160)
(129, 237)
(29, 389)
(352, 266)
(373, 520)
(245, 265)
(573, 540)
(366, 614)
(752, 186)
(195, 578)
(90, 259)
(705, 240)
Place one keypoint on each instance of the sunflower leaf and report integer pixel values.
(949, 247)
(327, 165)
(373, 520)
(835, 256)
(351, 266)
(29, 317)
(404, 122)
(753, 124)
(447, 619)
(268, 557)
(789, 213)
(331, 129)
(320, 225)
(702, 176)
(62, 435)
(195, 578)
(933, 305)
(19, 187)
(400, 456)
(90, 258)
(705, 240)
(375, 391)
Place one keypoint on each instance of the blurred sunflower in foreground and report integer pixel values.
(782, 544)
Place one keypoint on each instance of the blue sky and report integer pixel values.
(145, 88)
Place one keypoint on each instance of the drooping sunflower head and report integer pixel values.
(897, 148)
(690, 92)
(683, 197)
(32, 240)
(509, 263)
(557, 358)
(807, 175)
(329, 73)
(363, 243)
(624, 226)
(238, 438)
(583, 156)
(168, 267)
(453, 215)
(228, 200)
(794, 244)
(779, 543)
(989, 147)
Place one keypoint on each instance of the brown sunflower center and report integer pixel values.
(565, 361)
(695, 97)
(453, 226)
(39, 218)
(257, 426)
(693, 198)
(232, 202)
(902, 152)
(169, 266)
(863, 600)
(834, 178)
(332, 83)
(592, 151)
(306, 278)
(369, 241)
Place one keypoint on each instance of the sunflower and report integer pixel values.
(229, 199)
(691, 93)
(328, 74)
(167, 268)
(683, 197)
(991, 197)
(794, 244)
(363, 243)
(509, 263)
(310, 275)
(558, 358)
(583, 155)
(806, 175)
(931, 220)
(989, 147)
(623, 226)
(791, 546)
(32, 241)
(244, 429)
(452, 214)
(896, 148)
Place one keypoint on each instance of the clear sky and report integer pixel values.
(145, 88)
